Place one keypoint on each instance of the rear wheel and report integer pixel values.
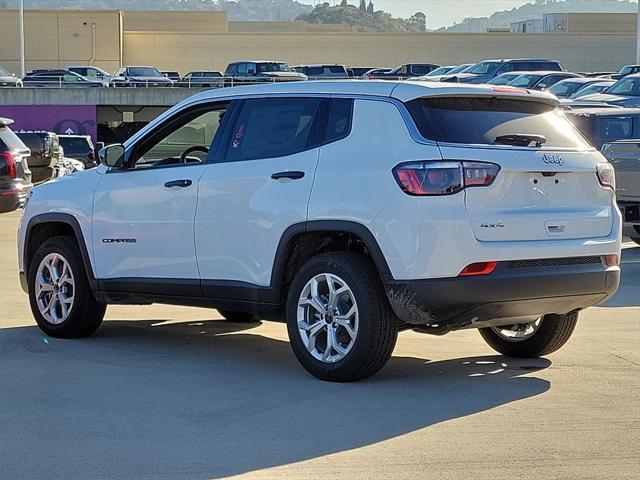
(240, 317)
(59, 292)
(340, 324)
(542, 337)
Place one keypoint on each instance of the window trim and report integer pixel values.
(162, 129)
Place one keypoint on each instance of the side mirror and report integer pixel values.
(112, 155)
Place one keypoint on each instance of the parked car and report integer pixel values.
(567, 87)
(261, 71)
(79, 147)
(438, 71)
(15, 176)
(625, 158)
(140, 76)
(9, 79)
(374, 73)
(270, 216)
(484, 71)
(604, 125)
(626, 70)
(625, 92)
(59, 78)
(357, 72)
(91, 72)
(505, 78)
(44, 156)
(570, 104)
(408, 70)
(597, 74)
(68, 165)
(318, 72)
(452, 75)
(202, 79)
(540, 80)
(592, 88)
(173, 76)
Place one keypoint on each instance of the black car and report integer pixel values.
(540, 80)
(15, 176)
(59, 78)
(320, 71)
(140, 76)
(171, 75)
(408, 70)
(238, 73)
(9, 79)
(44, 154)
(604, 125)
(202, 79)
(79, 147)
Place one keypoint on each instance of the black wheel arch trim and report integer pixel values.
(75, 225)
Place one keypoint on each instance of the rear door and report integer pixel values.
(545, 192)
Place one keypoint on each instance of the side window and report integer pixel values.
(616, 128)
(419, 69)
(186, 138)
(231, 69)
(273, 127)
(242, 68)
(339, 119)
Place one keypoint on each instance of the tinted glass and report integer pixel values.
(268, 128)
(460, 68)
(273, 67)
(525, 81)
(439, 71)
(502, 79)
(420, 69)
(484, 67)
(565, 88)
(232, 68)
(337, 69)
(212, 74)
(73, 145)
(590, 89)
(144, 72)
(626, 86)
(243, 68)
(339, 120)
(481, 120)
(312, 71)
(616, 128)
(11, 140)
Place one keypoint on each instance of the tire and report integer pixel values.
(551, 334)
(240, 317)
(365, 346)
(85, 313)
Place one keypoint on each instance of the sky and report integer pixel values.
(441, 13)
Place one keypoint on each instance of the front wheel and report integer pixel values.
(340, 324)
(528, 340)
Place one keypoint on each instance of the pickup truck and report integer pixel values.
(625, 158)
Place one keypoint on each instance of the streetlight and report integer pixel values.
(22, 69)
(638, 36)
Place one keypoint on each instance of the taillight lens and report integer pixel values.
(443, 177)
(611, 260)
(606, 175)
(10, 163)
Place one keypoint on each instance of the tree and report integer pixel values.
(363, 5)
(344, 3)
(370, 7)
(419, 20)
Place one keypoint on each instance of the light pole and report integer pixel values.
(638, 36)
(22, 69)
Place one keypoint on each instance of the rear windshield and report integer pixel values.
(10, 141)
(481, 121)
(75, 145)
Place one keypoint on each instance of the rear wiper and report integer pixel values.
(521, 139)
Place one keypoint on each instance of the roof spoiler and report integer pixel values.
(5, 122)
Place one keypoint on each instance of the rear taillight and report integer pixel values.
(606, 175)
(10, 163)
(611, 260)
(443, 177)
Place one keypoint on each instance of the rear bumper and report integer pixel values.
(507, 293)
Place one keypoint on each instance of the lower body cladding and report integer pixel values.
(514, 292)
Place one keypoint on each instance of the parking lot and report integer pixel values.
(171, 392)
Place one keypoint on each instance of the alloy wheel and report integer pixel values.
(54, 288)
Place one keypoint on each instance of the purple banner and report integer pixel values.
(66, 119)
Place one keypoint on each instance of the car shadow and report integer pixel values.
(195, 400)
(628, 295)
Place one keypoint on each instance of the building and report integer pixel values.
(535, 25)
(589, 23)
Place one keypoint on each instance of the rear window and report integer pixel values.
(75, 145)
(311, 71)
(616, 128)
(480, 121)
(9, 140)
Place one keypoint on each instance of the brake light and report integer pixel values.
(606, 175)
(443, 177)
(510, 90)
(480, 268)
(10, 162)
(611, 260)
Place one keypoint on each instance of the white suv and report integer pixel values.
(351, 210)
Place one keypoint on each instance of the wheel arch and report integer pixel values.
(47, 225)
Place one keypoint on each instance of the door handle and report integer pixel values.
(293, 175)
(178, 183)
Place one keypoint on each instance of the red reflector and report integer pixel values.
(10, 163)
(611, 260)
(480, 268)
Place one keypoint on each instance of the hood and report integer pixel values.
(613, 99)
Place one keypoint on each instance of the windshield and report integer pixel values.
(484, 67)
(438, 71)
(4, 73)
(591, 89)
(273, 67)
(525, 81)
(626, 86)
(625, 70)
(144, 72)
(565, 88)
(502, 79)
(459, 69)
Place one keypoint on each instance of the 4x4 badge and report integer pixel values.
(552, 159)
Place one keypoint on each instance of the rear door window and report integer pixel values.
(339, 119)
(274, 127)
(480, 121)
(616, 128)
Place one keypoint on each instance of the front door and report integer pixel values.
(143, 227)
